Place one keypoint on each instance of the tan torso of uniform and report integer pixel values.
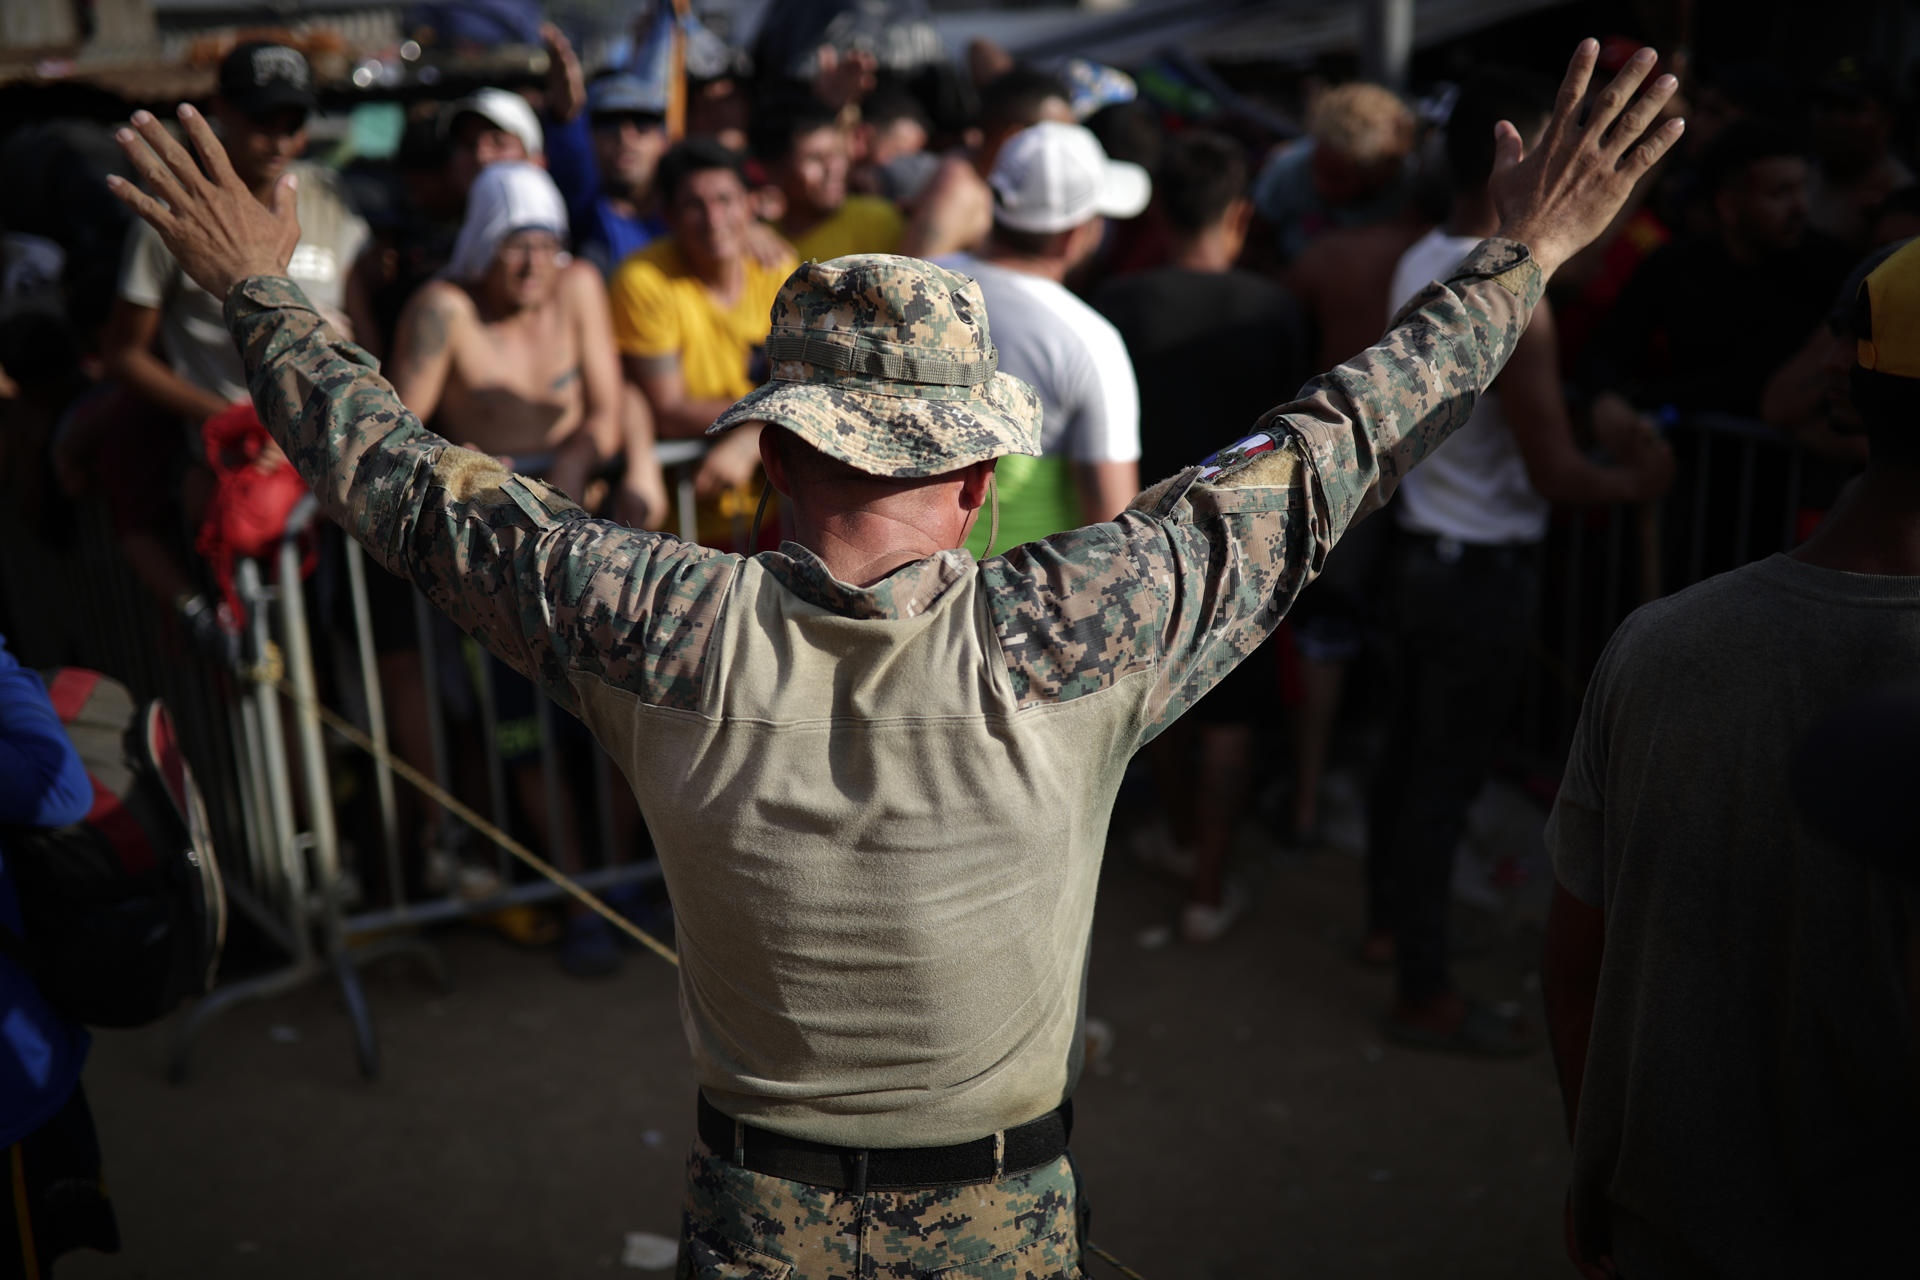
(514, 384)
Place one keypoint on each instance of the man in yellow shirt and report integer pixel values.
(690, 311)
(807, 154)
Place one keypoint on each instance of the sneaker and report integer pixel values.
(1201, 923)
(589, 948)
(522, 923)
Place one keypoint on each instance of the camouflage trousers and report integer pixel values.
(742, 1225)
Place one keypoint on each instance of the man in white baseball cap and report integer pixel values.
(1052, 189)
(1054, 177)
(489, 127)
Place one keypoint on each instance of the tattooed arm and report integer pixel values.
(598, 437)
(423, 346)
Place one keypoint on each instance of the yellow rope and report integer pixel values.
(270, 673)
(1113, 1262)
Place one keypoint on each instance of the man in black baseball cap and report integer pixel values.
(266, 94)
(166, 340)
(260, 77)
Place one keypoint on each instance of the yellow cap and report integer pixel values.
(1888, 329)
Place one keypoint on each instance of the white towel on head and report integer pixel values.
(507, 197)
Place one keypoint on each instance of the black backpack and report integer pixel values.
(124, 910)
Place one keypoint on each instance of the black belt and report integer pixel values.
(822, 1164)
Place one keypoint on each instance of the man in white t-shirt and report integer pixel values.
(266, 94)
(1459, 598)
(1053, 185)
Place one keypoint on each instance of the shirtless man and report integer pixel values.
(511, 352)
(513, 349)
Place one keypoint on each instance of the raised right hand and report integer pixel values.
(210, 222)
(1557, 198)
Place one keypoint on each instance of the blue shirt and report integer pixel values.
(601, 234)
(608, 236)
(42, 784)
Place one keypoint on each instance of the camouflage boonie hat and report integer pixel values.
(885, 363)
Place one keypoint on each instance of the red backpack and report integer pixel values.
(124, 911)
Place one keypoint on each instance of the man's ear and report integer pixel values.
(973, 484)
(772, 459)
(1239, 216)
(1234, 223)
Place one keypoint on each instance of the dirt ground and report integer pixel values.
(1249, 1120)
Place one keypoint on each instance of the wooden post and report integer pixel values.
(677, 71)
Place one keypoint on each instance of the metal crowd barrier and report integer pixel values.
(272, 775)
(335, 927)
(327, 898)
(76, 602)
(1739, 495)
(353, 927)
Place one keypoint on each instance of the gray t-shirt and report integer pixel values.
(193, 329)
(1751, 1104)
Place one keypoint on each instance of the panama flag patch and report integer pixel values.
(1234, 454)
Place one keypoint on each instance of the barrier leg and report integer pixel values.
(325, 843)
(376, 716)
(366, 1045)
(684, 497)
(188, 1027)
(423, 625)
(290, 885)
(490, 750)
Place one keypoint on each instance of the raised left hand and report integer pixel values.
(213, 226)
(566, 83)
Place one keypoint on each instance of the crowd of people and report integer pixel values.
(547, 277)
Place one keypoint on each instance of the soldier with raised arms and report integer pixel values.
(879, 772)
